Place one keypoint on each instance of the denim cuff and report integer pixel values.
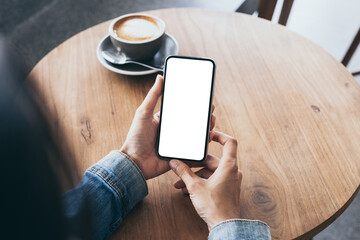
(124, 177)
(240, 229)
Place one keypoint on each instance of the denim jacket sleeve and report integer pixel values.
(240, 229)
(109, 190)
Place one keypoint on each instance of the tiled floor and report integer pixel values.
(44, 24)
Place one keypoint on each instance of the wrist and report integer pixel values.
(124, 149)
(131, 158)
(220, 218)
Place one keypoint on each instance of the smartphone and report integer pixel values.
(186, 104)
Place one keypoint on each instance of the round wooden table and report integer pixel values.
(294, 109)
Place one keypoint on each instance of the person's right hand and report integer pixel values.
(214, 190)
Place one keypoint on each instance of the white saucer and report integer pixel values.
(169, 47)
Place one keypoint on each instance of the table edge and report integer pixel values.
(313, 232)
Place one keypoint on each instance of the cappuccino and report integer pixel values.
(139, 36)
(137, 28)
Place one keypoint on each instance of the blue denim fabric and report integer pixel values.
(109, 190)
(238, 229)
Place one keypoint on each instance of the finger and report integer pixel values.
(229, 158)
(213, 119)
(153, 95)
(211, 162)
(211, 136)
(203, 173)
(212, 108)
(230, 146)
(157, 117)
(183, 171)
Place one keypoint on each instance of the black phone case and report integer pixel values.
(209, 113)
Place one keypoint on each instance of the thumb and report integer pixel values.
(153, 95)
(183, 171)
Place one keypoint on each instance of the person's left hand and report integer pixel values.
(141, 140)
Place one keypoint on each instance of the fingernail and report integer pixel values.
(174, 163)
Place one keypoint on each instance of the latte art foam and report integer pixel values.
(137, 28)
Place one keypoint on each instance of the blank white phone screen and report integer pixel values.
(185, 109)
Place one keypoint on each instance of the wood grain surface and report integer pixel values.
(294, 109)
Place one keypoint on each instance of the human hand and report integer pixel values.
(141, 139)
(215, 189)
